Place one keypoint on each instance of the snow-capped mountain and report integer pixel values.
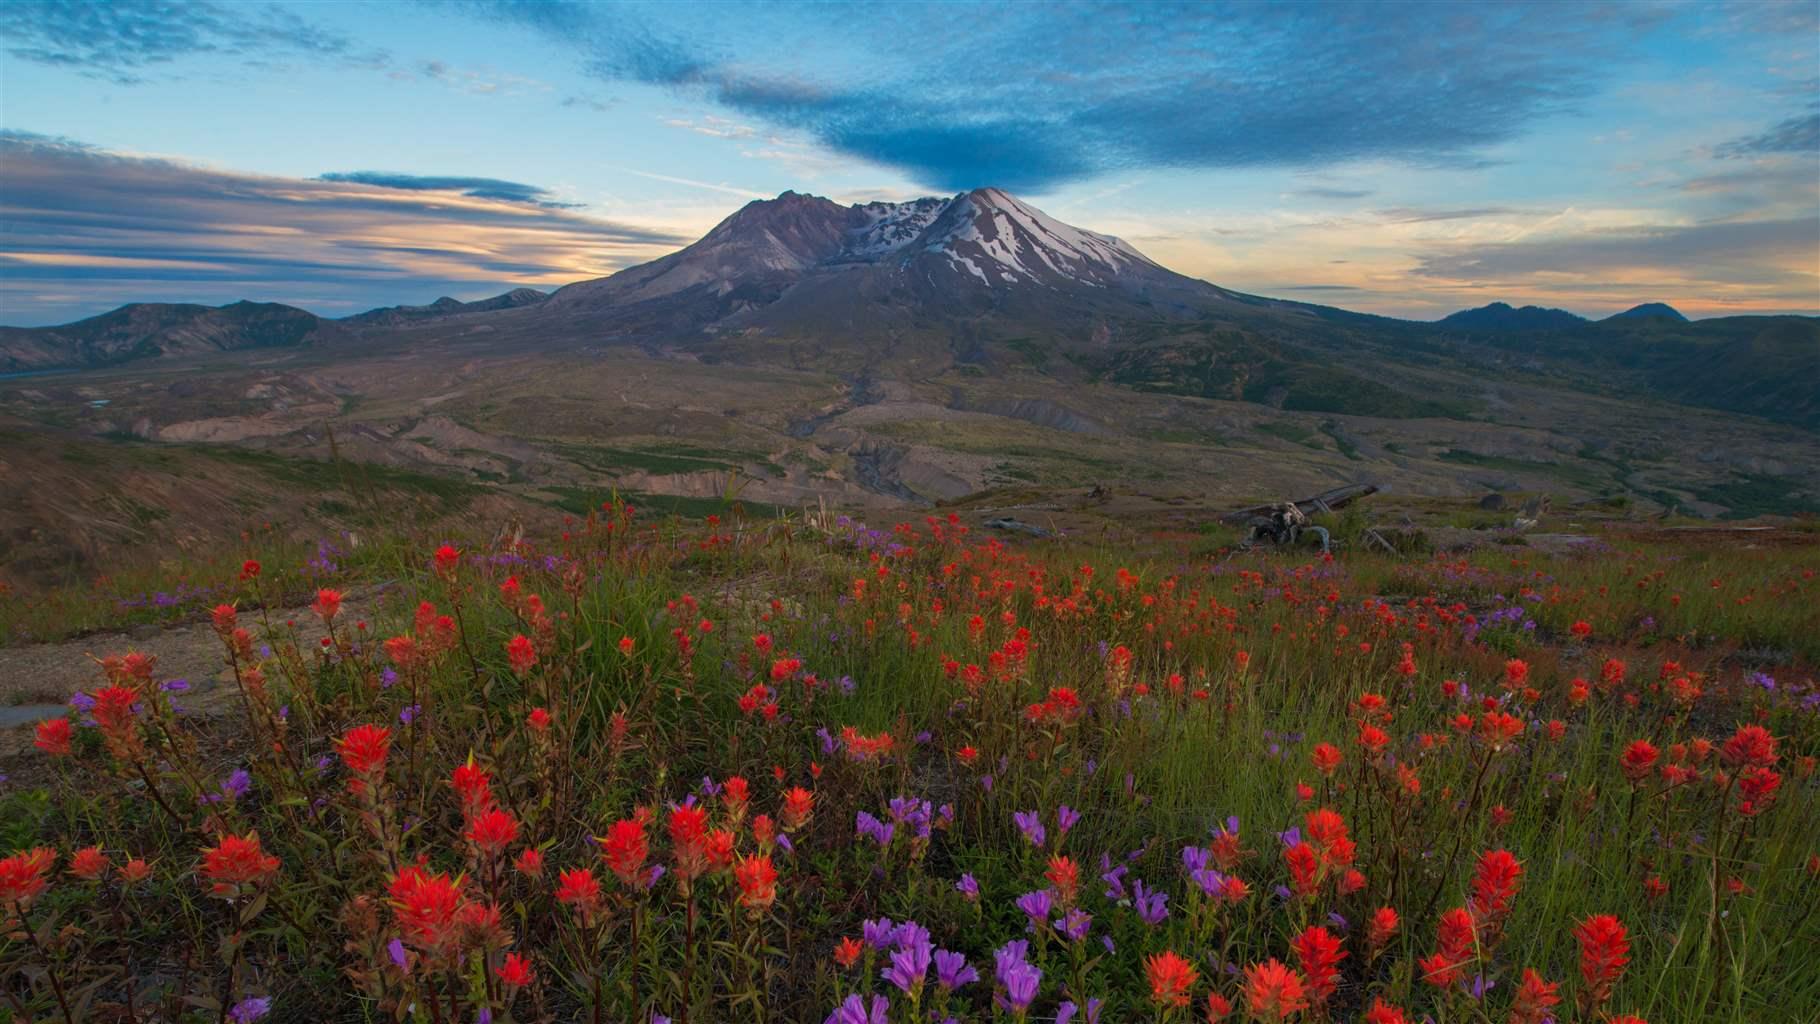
(1001, 240)
(987, 235)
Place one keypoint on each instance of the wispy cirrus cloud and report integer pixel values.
(1799, 134)
(86, 229)
(475, 188)
(124, 42)
(1029, 97)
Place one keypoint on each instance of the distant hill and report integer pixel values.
(1650, 310)
(1501, 316)
(144, 329)
(447, 306)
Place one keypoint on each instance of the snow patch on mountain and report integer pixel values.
(990, 224)
(889, 227)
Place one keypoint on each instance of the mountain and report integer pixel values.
(1500, 316)
(145, 329)
(447, 306)
(1650, 310)
(985, 284)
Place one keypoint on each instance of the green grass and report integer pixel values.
(899, 615)
(1294, 433)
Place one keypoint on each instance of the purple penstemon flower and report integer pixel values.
(909, 966)
(1036, 906)
(879, 933)
(856, 1011)
(250, 1009)
(1194, 858)
(237, 785)
(1114, 877)
(1208, 880)
(1065, 818)
(871, 828)
(1152, 905)
(1074, 924)
(1031, 825)
(952, 970)
(1021, 981)
(968, 886)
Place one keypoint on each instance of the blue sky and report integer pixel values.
(1402, 159)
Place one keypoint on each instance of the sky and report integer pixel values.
(1402, 159)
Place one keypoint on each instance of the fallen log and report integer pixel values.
(1326, 501)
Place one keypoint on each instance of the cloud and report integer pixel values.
(1419, 215)
(478, 188)
(599, 106)
(121, 42)
(1739, 251)
(714, 127)
(1031, 97)
(1739, 265)
(1332, 193)
(86, 229)
(1799, 134)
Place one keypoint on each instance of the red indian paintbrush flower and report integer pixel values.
(1455, 946)
(688, 840)
(624, 848)
(1535, 999)
(579, 888)
(1171, 979)
(1383, 927)
(798, 804)
(1495, 883)
(23, 876)
(88, 863)
(1604, 950)
(529, 862)
(53, 737)
(474, 785)
(1639, 760)
(1326, 758)
(1218, 1007)
(736, 793)
(428, 908)
(363, 748)
(1318, 952)
(328, 604)
(516, 971)
(1382, 1012)
(492, 831)
(113, 712)
(1065, 875)
(757, 880)
(520, 655)
(1751, 745)
(1304, 867)
(235, 862)
(447, 559)
(1273, 991)
(847, 951)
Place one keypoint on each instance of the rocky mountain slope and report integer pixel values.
(985, 281)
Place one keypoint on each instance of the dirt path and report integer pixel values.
(36, 681)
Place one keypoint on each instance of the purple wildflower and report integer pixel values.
(952, 970)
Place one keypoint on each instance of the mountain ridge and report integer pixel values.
(984, 280)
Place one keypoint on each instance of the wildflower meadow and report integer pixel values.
(732, 770)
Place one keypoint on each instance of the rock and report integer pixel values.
(1493, 502)
(1008, 523)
